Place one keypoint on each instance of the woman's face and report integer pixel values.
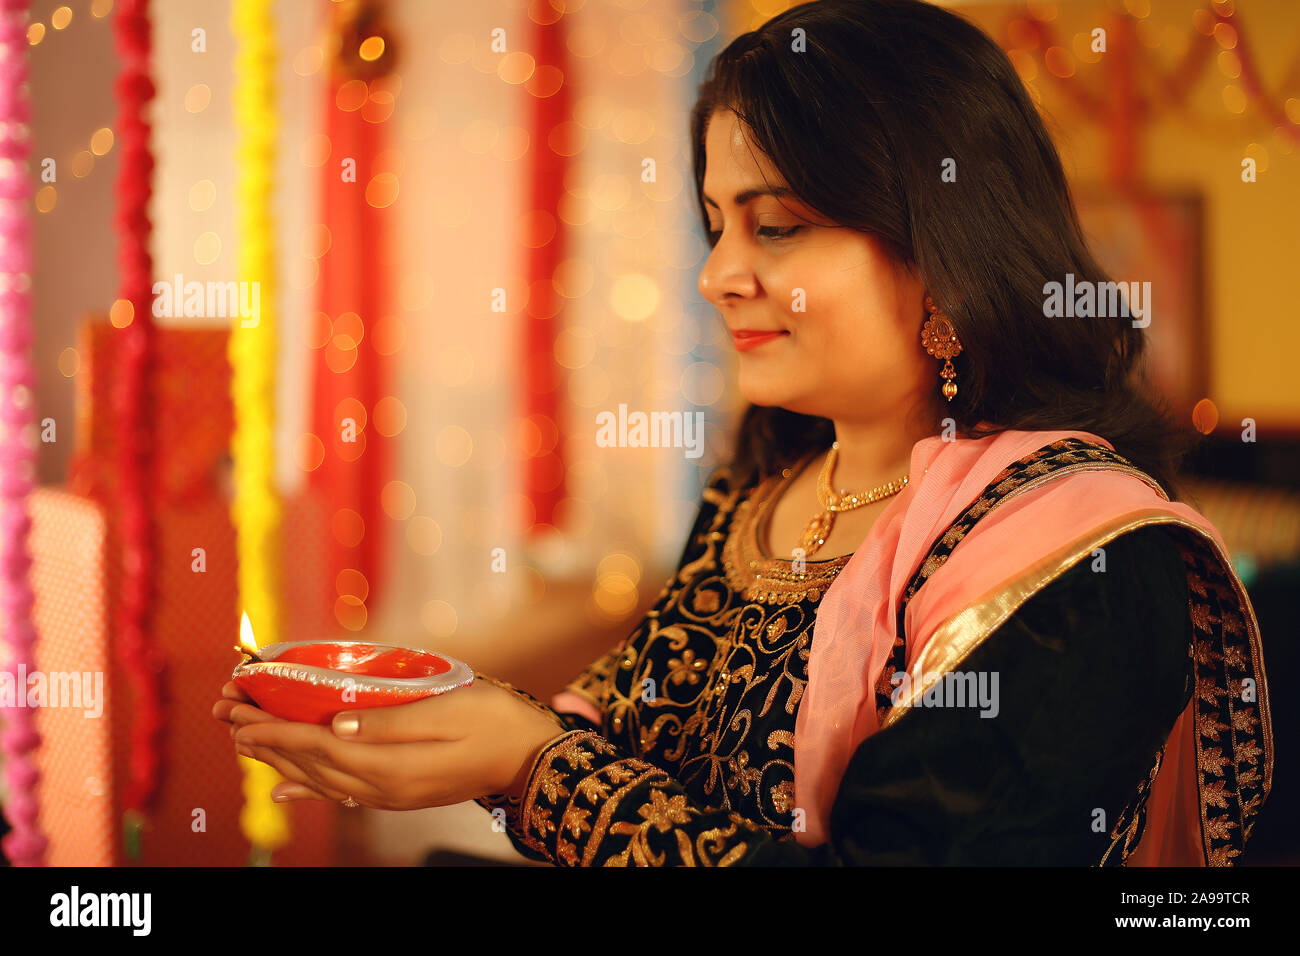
(850, 317)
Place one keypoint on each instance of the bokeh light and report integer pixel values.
(348, 527)
(352, 95)
(82, 163)
(101, 141)
(381, 191)
(207, 248)
(423, 535)
(388, 336)
(1205, 416)
(634, 296)
(353, 582)
(516, 67)
(316, 150)
(438, 618)
(202, 195)
(198, 97)
(311, 452)
(398, 500)
(121, 313)
(453, 446)
(308, 60)
(390, 416)
(350, 612)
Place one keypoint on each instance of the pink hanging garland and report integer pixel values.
(26, 845)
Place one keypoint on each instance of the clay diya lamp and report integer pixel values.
(311, 681)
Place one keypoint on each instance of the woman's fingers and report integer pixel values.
(235, 692)
(285, 792)
(231, 696)
(448, 716)
(325, 780)
(222, 708)
(247, 714)
(290, 770)
(421, 720)
(376, 775)
(315, 747)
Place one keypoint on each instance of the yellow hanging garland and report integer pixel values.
(256, 510)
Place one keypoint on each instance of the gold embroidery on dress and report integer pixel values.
(771, 580)
(581, 840)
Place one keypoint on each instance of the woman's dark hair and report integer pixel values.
(860, 123)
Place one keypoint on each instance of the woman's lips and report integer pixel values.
(746, 340)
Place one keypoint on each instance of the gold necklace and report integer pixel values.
(818, 529)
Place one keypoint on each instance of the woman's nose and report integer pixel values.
(726, 275)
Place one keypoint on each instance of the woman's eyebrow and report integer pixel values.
(746, 195)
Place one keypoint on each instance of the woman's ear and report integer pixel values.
(910, 273)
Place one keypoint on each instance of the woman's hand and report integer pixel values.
(460, 745)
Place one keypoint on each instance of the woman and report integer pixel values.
(996, 639)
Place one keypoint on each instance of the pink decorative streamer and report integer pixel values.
(26, 845)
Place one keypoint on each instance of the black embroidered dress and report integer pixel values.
(693, 761)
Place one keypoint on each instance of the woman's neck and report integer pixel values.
(872, 453)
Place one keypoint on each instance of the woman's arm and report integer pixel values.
(1091, 673)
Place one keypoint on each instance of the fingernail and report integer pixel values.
(280, 798)
(346, 725)
(243, 751)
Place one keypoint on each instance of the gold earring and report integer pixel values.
(940, 340)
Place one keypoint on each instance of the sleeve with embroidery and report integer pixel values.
(1093, 670)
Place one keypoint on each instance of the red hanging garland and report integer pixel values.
(544, 472)
(141, 661)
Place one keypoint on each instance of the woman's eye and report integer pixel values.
(766, 232)
(778, 232)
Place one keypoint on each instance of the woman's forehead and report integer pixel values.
(735, 153)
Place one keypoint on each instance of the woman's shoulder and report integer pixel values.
(1079, 512)
(727, 478)
(724, 483)
(1139, 577)
(721, 478)
(1155, 542)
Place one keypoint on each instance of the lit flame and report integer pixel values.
(246, 638)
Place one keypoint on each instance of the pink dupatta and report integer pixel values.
(1011, 552)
